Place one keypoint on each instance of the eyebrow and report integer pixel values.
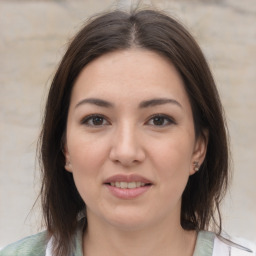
(95, 101)
(158, 101)
(143, 104)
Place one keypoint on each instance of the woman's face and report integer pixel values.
(130, 140)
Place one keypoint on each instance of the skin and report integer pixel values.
(128, 138)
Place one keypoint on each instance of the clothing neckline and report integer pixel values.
(204, 243)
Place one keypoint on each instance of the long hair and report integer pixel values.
(117, 30)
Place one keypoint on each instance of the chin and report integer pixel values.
(129, 221)
(129, 225)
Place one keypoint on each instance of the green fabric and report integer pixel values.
(36, 245)
(204, 244)
(78, 243)
(30, 246)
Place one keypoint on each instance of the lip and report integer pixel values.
(127, 178)
(127, 193)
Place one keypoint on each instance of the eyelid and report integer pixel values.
(90, 117)
(85, 120)
(166, 117)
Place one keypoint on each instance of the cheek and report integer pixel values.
(87, 155)
(86, 152)
(173, 154)
(172, 160)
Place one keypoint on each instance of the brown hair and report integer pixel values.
(160, 33)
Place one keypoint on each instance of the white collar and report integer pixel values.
(227, 248)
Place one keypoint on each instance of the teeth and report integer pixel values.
(123, 184)
(131, 185)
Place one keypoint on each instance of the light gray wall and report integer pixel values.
(33, 37)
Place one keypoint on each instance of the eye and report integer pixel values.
(95, 120)
(160, 120)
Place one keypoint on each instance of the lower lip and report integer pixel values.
(128, 193)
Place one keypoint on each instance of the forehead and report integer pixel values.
(128, 76)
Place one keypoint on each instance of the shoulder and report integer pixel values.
(30, 246)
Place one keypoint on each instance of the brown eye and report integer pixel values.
(95, 120)
(160, 120)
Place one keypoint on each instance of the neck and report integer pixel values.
(160, 239)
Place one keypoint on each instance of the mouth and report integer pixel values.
(128, 185)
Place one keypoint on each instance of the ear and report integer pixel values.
(199, 153)
(68, 165)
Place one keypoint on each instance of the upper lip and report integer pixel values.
(127, 178)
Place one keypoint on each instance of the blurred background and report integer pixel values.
(33, 37)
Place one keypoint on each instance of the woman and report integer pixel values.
(134, 149)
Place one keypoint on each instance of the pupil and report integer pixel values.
(97, 120)
(158, 120)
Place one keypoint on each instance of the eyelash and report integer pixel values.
(89, 118)
(167, 120)
(164, 117)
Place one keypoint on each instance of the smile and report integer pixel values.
(127, 186)
(130, 185)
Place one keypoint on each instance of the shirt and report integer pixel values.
(207, 244)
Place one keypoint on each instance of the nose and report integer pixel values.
(126, 147)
